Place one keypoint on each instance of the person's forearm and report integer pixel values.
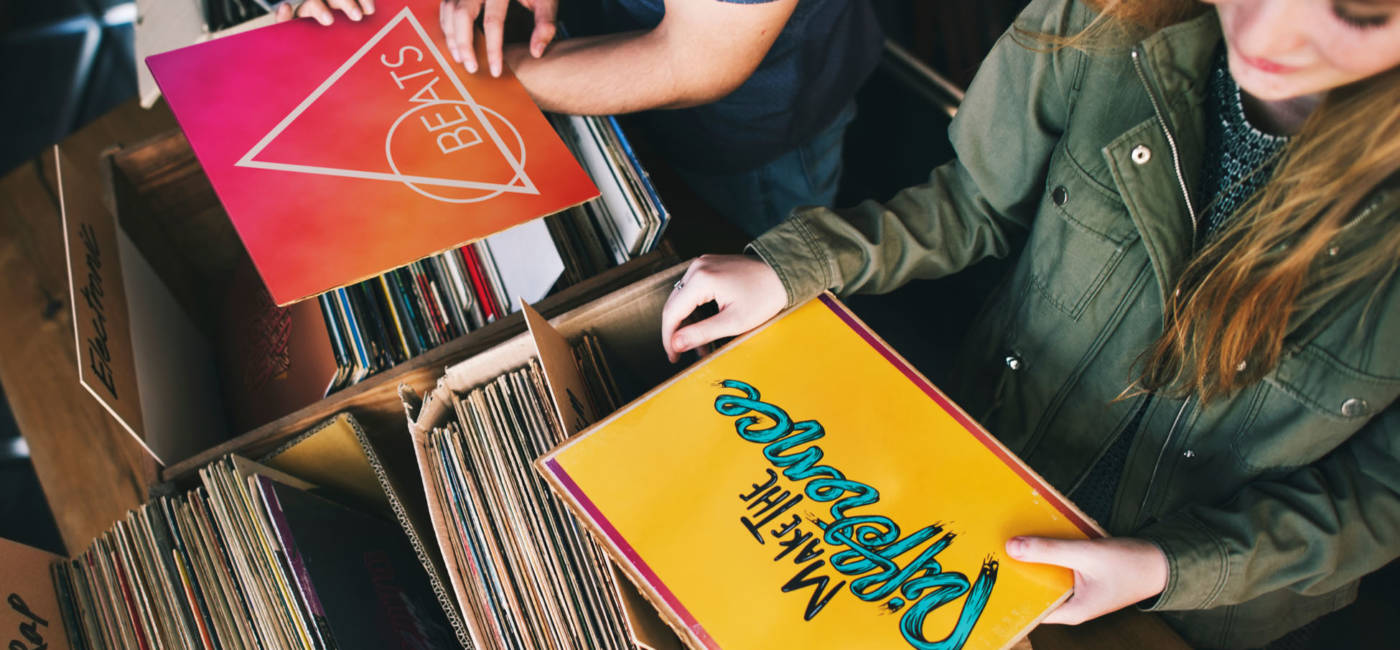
(611, 74)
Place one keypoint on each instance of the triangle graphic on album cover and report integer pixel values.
(520, 184)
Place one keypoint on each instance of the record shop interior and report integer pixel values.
(227, 421)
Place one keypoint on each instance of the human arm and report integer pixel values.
(1312, 530)
(969, 209)
(976, 206)
(700, 51)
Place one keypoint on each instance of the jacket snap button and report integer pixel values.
(1059, 195)
(1354, 407)
(1188, 453)
(1141, 154)
(1013, 362)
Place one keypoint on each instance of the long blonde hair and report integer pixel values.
(1303, 242)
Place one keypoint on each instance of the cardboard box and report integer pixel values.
(172, 337)
(627, 323)
(364, 471)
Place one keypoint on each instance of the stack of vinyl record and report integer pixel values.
(628, 212)
(386, 320)
(533, 578)
(251, 559)
(400, 314)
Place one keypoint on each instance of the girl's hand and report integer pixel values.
(747, 291)
(321, 10)
(1109, 574)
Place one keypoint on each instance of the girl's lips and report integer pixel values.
(1265, 65)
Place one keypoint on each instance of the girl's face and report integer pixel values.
(1285, 49)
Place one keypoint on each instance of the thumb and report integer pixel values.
(725, 323)
(1045, 550)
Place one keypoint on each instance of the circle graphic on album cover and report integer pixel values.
(463, 134)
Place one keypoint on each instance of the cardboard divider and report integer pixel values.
(340, 455)
(97, 291)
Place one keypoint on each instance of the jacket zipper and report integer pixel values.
(1191, 211)
(1152, 478)
(1171, 141)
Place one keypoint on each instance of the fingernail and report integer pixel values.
(471, 67)
(537, 50)
(495, 69)
(355, 15)
(1016, 547)
(324, 19)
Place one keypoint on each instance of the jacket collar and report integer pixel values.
(1176, 63)
(1172, 66)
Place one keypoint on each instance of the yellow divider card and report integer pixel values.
(806, 488)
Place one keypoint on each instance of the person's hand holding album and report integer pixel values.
(747, 292)
(1109, 573)
(458, 19)
(324, 10)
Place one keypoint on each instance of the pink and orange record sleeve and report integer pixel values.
(343, 151)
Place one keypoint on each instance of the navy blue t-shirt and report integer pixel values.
(824, 53)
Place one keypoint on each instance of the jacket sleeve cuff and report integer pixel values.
(1197, 564)
(803, 263)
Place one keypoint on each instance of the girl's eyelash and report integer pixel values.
(1360, 22)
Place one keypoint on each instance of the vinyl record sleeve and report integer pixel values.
(806, 487)
(342, 151)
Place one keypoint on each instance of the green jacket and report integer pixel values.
(1269, 505)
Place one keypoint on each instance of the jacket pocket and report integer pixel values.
(1309, 405)
(1080, 234)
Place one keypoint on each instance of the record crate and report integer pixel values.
(624, 327)
(177, 303)
(624, 322)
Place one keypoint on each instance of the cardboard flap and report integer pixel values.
(244, 467)
(339, 455)
(139, 353)
(429, 412)
(575, 413)
(643, 619)
(560, 373)
(97, 291)
(29, 614)
(333, 455)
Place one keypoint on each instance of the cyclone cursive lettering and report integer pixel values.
(871, 545)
